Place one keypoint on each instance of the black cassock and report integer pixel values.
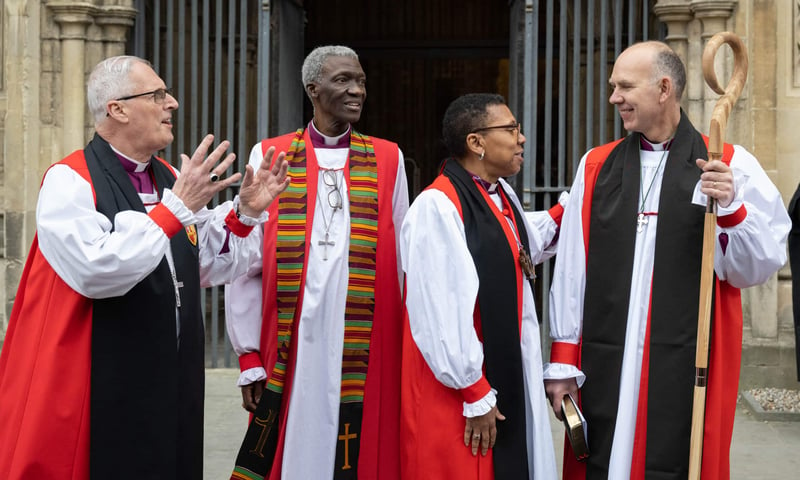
(794, 263)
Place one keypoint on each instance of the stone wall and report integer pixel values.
(48, 47)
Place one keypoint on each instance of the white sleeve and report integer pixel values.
(399, 208)
(569, 280)
(547, 227)
(243, 321)
(78, 241)
(441, 288)
(569, 271)
(224, 255)
(243, 305)
(540, 226)
(753, 248)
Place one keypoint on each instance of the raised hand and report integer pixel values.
(200, 176)
(260, 187)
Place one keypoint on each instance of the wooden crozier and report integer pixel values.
(719, 120)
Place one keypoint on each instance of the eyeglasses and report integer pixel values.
(330, 179)
(515, 127)
(158, 94)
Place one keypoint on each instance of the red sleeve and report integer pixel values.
(556, 211)
(735, 218)
(250, 360)
(236, 226)
(476, 391)
(564, 352)
(165, 219)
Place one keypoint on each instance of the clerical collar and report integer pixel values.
(131, 165)
(649, 146)
(137, 172)
(320, 140)
(490, 188)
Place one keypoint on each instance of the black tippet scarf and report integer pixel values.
(146, 392)
(497, 303)
(674, 302)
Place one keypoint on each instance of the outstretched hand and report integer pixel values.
(194, 185)
(260, 187)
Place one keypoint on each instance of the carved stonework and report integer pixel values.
(796, 43)
(2, 49)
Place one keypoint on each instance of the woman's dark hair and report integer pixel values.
(466, 114)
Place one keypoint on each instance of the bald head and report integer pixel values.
(663, 61)
(647, 82)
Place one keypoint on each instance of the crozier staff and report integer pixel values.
(625, 290)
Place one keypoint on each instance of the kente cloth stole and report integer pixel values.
(291, 244)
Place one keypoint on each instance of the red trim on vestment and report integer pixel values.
(379, 445)
(725, 354)
(165, 219)
(640, 434)
(250, 360)
(594, 162)
(379, 456)
(724, 358)
(564, 352)
(476, 391)
(556, 212)
(49, 322)
(269, 282)
(733, 219)
(428, 402)
(236, 226)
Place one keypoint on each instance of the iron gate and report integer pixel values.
(233, 66)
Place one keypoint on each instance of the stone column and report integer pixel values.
(714, 15)
(21, 142)
(677, 14)
(73, 18)
(115, 21)
(107, 36)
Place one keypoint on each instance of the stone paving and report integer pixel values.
(760, 450)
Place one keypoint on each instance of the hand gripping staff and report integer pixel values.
(716, 134)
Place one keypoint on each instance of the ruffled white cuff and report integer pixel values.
(563, 371)
(250, 221)
(482, 406)
(251, 375)
(177, 207)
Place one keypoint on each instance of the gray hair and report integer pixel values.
(312, 66)
(669, 64)
(110, 79)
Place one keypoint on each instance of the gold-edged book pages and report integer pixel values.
(576, 427)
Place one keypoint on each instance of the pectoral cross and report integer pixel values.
(526, 263)
(347, 437)
(267, 424)
(641, 221)
(325, 243)
(178, 286)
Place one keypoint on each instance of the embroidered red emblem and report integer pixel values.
(191, 232)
